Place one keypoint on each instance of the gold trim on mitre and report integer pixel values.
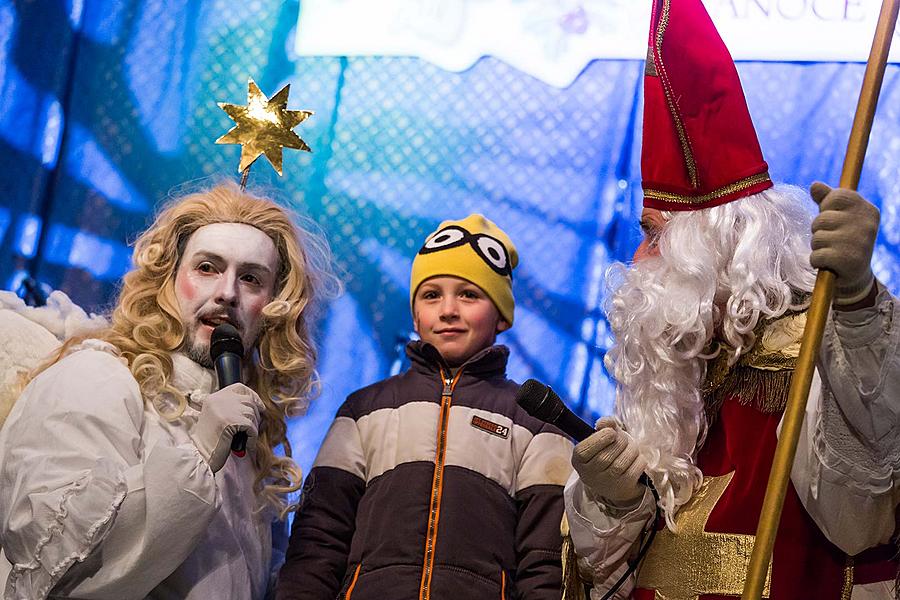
(731, 188)
(687, 152)
(650, 64)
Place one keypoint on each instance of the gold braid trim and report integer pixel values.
(687, 152)
(731, 188)
(650, 64)
(847, 587)
(761, 377)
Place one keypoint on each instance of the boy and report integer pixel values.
(434, 483)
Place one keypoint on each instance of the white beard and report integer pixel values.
(720, 271)
(661, 330)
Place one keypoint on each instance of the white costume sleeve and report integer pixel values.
(86, 504)
(604, 537)
(848, 458)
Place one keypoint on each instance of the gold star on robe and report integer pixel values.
(264, 126)
(692, 562)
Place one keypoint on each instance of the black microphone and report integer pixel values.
(541, 402)
(225, 352)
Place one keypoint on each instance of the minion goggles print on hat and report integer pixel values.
(490, 249)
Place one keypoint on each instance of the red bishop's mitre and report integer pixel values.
(700, 148)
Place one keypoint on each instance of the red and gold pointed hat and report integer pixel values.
(699, 146)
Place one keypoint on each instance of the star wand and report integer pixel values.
(263, 127)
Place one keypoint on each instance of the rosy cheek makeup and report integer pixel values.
(187, 289)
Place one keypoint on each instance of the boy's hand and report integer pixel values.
(609, 464)
(226, 412)
(843, 239)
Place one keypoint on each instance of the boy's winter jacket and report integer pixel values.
(431, 485)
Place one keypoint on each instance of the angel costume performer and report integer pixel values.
(116, 475)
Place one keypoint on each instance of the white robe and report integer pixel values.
(847, 467)
(101, 497)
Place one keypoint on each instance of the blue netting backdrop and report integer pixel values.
(107, 105)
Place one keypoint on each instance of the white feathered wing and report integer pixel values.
(28, 335)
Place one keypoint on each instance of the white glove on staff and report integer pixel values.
(843, 240)
(226, 412)
(609, 465)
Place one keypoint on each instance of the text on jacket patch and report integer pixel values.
(490, 427)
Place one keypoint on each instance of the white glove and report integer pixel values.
(230, 410)
(609, 465)
(843, 239)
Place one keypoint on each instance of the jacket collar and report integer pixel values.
(192, 379)
(426, 359)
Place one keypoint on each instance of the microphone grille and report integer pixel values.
(532, 396)
(225, 338)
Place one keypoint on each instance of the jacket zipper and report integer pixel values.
(352, 585)
(434, 509)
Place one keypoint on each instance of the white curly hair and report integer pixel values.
(719, 271)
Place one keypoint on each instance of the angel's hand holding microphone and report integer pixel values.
(225, 413)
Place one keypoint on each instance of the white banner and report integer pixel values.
(553, 40)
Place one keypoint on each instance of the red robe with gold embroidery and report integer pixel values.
(805, 564)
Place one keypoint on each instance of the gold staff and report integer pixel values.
(819, 306)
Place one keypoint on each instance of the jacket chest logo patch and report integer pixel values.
(490, 427)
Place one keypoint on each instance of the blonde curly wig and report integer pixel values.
(146, 327)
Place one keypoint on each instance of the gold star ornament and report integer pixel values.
(264, 126)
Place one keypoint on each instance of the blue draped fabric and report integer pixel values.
(106, 106)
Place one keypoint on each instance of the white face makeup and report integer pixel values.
(227, 274)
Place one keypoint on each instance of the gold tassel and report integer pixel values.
(762, 376)
(573, 585)
(766, 391)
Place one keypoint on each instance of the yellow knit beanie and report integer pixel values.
(474, 249)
